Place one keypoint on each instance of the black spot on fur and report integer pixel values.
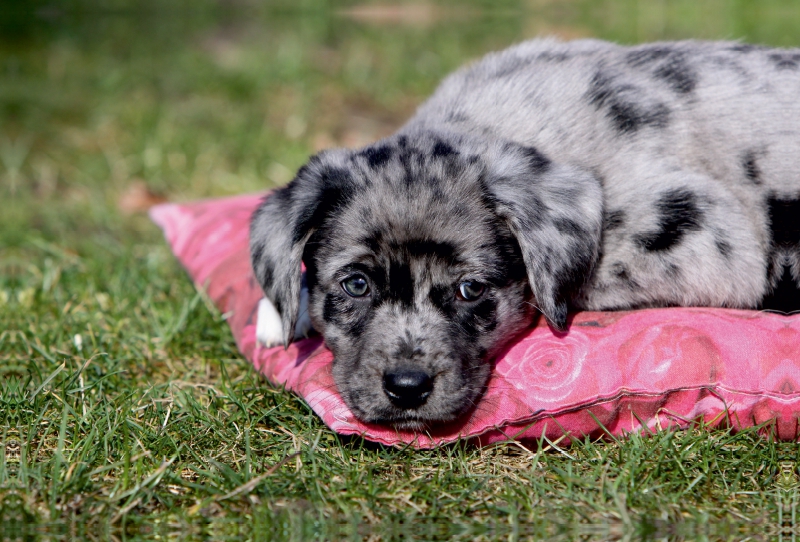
(377, 156)
(480, 318)
(437, 194)
(442, 150)
(443, 298)
(785, 61)
(426, 247)
(673, 271)
(373, 240)
(341, 312)
(628, 118)
(746, 48)
(407, 348)
(314, 160)
(413, 162)
(785, 296)
(509, 265)
(400, 284)
(678, 74)
(646, 55)
(303, 170)
(601, 90)
(334, 189)
(309, 258)
(724, 247)
(784, 219)
(530, 213)
(620, 272)
(534, 216)
(331, 308)
(613, 220)
(537, 162)
(730, 64)
(668, 64)
(626, 115)
(267, 272)
(679, 214)
(366, 214)
(750, 166)
(569, 227)
(256, 252)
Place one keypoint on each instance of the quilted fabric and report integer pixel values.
(611, 372)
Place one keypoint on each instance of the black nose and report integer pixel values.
(407, 388)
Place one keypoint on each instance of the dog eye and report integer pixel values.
(470, 290)
(355, 286)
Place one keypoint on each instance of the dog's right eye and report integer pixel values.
(355, 286)
(470, 290)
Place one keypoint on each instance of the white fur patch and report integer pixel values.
(269, 328)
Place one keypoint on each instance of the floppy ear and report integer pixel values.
(282, 224)
(555, 212)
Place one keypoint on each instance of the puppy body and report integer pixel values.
(696, 145)
(550, 175)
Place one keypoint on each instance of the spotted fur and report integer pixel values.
(559, 176)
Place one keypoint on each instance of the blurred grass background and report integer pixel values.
(124, 407)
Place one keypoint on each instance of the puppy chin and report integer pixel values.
(412, 423)
(409, 425)
(412, 420)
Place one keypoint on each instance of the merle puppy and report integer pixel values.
(550, 176)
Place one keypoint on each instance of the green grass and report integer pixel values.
(125, 408)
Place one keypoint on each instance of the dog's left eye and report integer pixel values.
(470, 290)
(355, 286)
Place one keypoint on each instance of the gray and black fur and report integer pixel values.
(554, 176)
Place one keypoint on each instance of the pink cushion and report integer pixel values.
(655, 368)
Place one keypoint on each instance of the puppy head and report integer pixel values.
(425, 255)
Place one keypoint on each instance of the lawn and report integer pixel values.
(125, 408)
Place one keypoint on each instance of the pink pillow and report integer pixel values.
(652, 368)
